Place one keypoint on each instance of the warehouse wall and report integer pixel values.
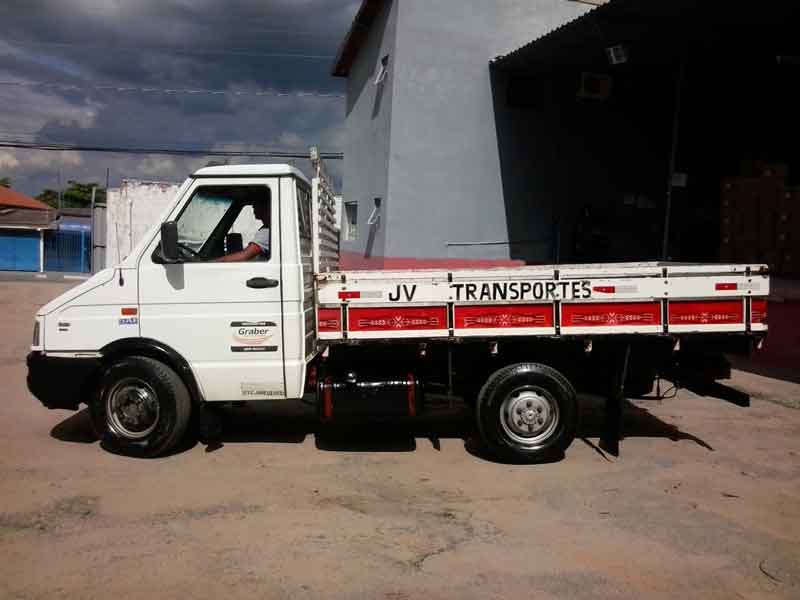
(367, 137)
(445, 184)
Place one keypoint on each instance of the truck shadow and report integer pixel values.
(284, 424)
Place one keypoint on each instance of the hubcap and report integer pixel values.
(132, 408)
(529, 415)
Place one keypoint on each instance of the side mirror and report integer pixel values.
(169, 242)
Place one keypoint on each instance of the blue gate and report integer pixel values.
(19, 250)
(68, 251)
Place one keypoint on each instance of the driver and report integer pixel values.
(259, 246)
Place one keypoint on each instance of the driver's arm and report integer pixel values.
(248, 253)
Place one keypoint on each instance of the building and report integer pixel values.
(548, 130)
(420, 137)
(23, 223)
(69, 248)
(131, 210)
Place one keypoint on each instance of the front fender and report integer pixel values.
(156, 350)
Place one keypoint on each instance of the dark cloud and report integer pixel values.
(169, 44)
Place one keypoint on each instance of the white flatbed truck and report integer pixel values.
(171, 332)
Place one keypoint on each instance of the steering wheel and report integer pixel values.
(188, 253)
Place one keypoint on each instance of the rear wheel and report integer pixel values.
(141, 409)
(527, 412)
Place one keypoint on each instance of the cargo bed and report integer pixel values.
(564, 300)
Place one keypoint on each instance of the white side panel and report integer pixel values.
(620, 288)
(89, 316)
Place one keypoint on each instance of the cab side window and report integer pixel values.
(220, 220)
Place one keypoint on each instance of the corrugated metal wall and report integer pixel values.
(19, 250)
(67, 251)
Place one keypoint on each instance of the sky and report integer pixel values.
(220, 45)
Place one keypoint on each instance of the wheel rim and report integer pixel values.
(529, 415)
(132, 408)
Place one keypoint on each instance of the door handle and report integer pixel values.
(261, 283)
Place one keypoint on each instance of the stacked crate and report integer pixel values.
(757, 223)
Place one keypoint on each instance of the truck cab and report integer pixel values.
(194, 324)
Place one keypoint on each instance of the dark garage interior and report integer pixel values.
(645, 131)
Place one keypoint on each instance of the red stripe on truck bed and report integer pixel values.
(504, 316)
(397, 318)
(706, 312)
(329, 319)
(610, 314)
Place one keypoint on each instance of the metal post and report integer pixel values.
(41, 251)
(612, 429)
(673, 155)
(91, 234)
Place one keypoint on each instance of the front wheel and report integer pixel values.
(142, 408)
(527, 412)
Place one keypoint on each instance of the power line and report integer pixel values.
(177, 91)
(216, 26)
(20, 144)
(173, 49)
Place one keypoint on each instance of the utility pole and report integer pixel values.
(91, 233)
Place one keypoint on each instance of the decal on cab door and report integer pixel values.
(253, 336)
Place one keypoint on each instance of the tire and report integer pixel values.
(141, 408)
(527, 412)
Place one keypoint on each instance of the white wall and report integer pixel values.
(131, 210)
(445, 184)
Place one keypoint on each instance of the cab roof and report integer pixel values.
(251, 171)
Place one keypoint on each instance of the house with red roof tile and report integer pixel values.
(23, 223)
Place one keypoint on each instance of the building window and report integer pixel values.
(351, 221)
(382, 70)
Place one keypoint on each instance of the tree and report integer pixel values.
(49, 197)
(5, 182)
(77, 195)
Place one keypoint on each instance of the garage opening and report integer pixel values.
(656, 130)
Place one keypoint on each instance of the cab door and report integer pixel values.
(224, 318)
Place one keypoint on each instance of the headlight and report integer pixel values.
(36, 333)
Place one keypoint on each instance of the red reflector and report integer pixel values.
(605, 289)
(130, 312)
(726, 287)
(349, 295)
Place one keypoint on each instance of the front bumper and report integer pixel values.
(59, 382)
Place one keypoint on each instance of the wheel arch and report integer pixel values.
(156, 350)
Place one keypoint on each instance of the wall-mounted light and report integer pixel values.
(617, 55)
